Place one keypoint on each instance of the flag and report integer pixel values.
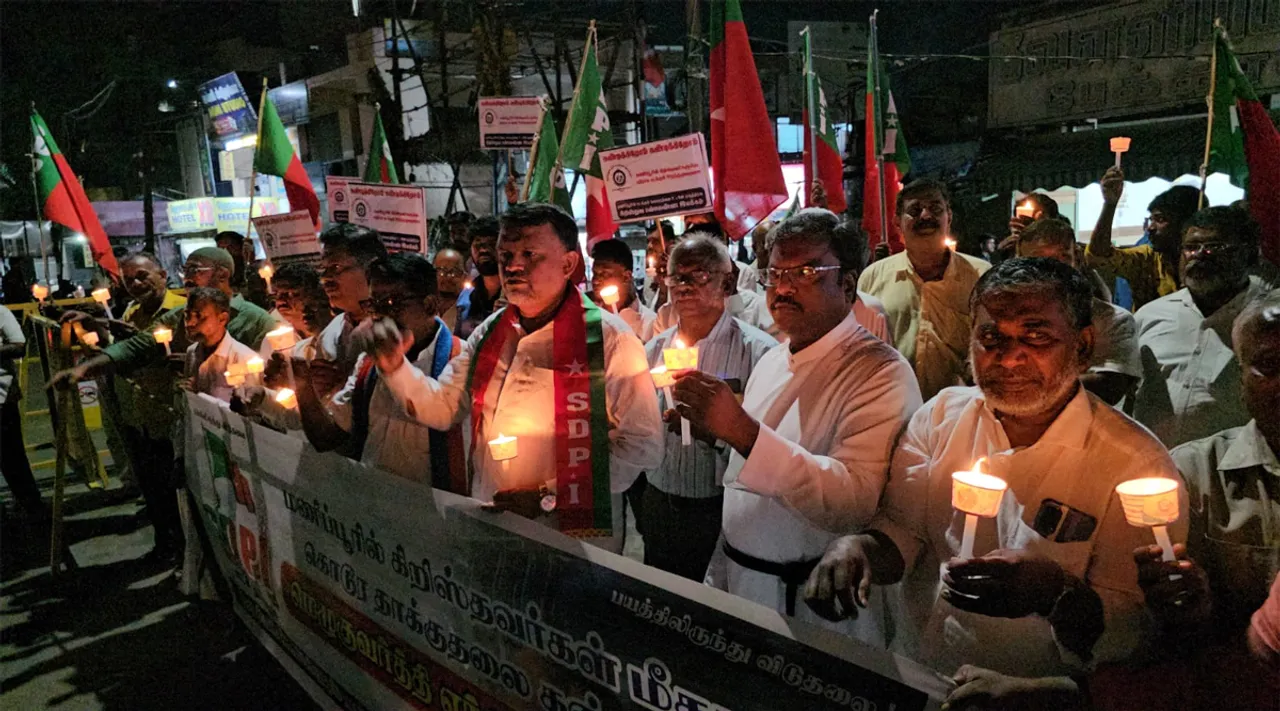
(744, 154)
(62, 198)
(883, 139)
(546, 179)
(380, 168)
(586, 132)
(1244, 144)
(274, 156)
(817, 123)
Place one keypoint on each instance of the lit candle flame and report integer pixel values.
(266, 271)
(101, 296)
(163, 335)
(287, 398)
(255, 365)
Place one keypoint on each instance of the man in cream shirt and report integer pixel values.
(212, 351)
(1057, 559)
(812, 438)
(925, 289)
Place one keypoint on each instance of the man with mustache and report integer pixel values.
(451, 270)
(1056, 560)
(811, 439)
(477, 303)
(925, 289)
(346, 252)
(1190, 376)
(567, 379)
(611, 265)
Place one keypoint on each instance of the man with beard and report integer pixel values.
(925, 289)
(451, 274)
(1151, 269)
(567, 379)
(346, 252)
(811, 439)
(477, 303)
(1031, 610)
(1190, 377)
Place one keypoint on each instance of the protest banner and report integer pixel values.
(378, 592)
(397, 212)
(657, 179)
(509, 121)
(336, 188)
(288, 237)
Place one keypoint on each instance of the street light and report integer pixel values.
(172, 83)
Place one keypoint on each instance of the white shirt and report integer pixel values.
(334, 343)
(209, 373)
(521, 403)
(640, 318)
(871, 314)
(1115, 340)
(10, 333)
(729, 352)
(828, 418)
(1088, 450)
(1190, 376)
(748, 277)
(396, 441)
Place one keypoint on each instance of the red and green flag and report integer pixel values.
(380, 168)
(274, 156)
(822, 163)
(744, 155)
(1244, 144)
(884, 139)
(546, 179)
(62, 198)
(586, 132)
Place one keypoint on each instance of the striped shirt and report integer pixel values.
(730, 352)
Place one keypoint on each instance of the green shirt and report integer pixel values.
(249, 325)
(144, 396)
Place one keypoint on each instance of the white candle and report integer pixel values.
(1120, 146)
(103, 296)
(255, 367)
(287, 398)
(977, 495)
(40, 291)
(609, 295)
(1152, 501)
(163, 336)
(266, 271)
(677, 359)
(1026, 209)
(89, 338)
(234, 378)
(282, 338)
(503, 449)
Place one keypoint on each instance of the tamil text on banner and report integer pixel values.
(397, 212)
(339, 197)
(288, 237)
(657, 179)
(229, 108)
(508, 122)
(381, 593)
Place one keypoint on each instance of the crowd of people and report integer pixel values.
(806, 462)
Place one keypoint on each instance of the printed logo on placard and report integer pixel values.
(360, 208)
(619, 176)
(269, 240)
(339, 196)
(489, 118)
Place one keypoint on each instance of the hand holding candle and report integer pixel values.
(1153, 502)
(1026, 208)
(1120, 146)
(282, 339)
(287, 399)
(976, 494)
(675, 359)
(103, 297)
(164, 337)
(255, 368)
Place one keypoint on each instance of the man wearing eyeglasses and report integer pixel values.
(811, 439)
(925, 289)
(683, 502)
(346, 251)
(1190, 376)
(451, 274)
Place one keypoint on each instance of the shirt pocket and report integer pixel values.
(1074, 557)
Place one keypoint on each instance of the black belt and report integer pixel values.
(793, 574)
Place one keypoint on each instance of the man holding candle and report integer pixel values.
(611, 265)
(1056, 560)
(1191, 379)
(925, 289)
(683, 502)
(213, 351)
(346, 251)
(566, 378)
(810, 440)
(363, 419)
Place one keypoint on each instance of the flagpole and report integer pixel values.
(810, 78)
(35, 195)
(875, 103)
(1208, 134)
(533, 151)
(253, 177)
(568, 124)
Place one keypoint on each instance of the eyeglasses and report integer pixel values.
(192, 271)
(1208, 249)
(389, 306)
(333, 271)
(698, 278)
(796, 275)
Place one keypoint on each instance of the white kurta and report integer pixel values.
(828, 418)
(871, 314)
(209, 373)
(334, 343)
(1088, 450)
(521, 403)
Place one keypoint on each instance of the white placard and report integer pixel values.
(397, 212)
(339, 197)
(287, 236)
(657, 179)
(508, 121)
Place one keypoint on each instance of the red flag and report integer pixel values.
(62, 198)
(829, 164)
(883, 139)
(744, 155)
(1262, 150)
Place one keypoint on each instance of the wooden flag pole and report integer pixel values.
(533, 152)
(568, 124)
(253, 177)
(1208, 134)
(810, 80)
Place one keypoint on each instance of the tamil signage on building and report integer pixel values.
(1125, 58)
(230, 110)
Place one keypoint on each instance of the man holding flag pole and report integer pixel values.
(823, 168)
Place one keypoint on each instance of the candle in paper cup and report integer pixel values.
(1025, 209)
(234, 376)
(266, 271)
(255, 367)
(977, 495)
(89, 338)
(503, 449)
(680, 357)
(164, 337)
(1120, 145)
(40, 291)
(609, 295)
(662, 378)
(1151, 501)
(282, 338)
(287, 398)
(103, 296)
